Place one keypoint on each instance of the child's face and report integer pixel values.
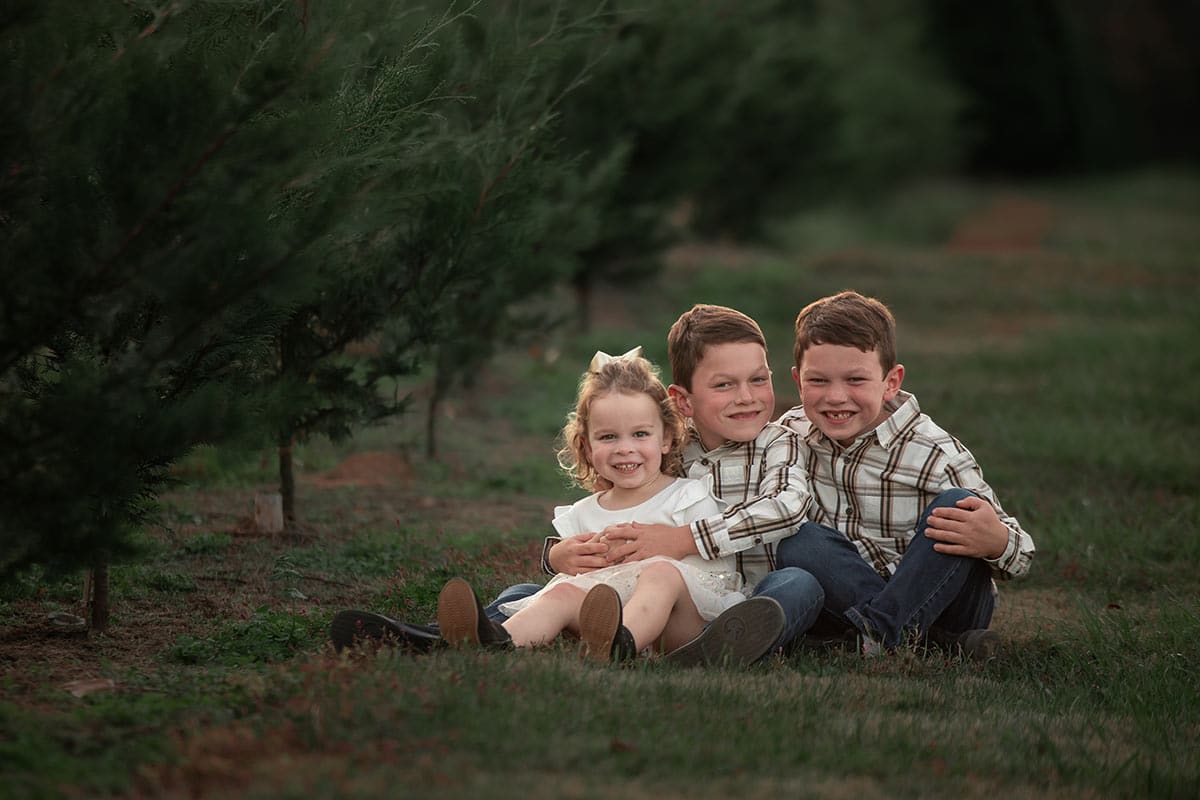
(844, 389)
(625, 441)
(731, 399)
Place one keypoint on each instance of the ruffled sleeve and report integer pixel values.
(566, 522)
(695, 501)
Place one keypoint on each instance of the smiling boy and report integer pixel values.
(905, 536)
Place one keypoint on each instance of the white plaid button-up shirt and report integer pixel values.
(762, 484)
(875, 489)
(764, 487)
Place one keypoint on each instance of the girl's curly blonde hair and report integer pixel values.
(624, 375)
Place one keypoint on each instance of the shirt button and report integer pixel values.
(716, 550)
(704, 461)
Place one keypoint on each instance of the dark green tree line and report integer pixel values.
(201, 207)
(1061, 86)
(722, 114)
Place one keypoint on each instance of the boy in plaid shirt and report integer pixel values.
(904, 535)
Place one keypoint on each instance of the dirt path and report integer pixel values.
(1012, 222)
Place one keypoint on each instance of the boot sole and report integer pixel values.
(458, 613)
(739, 637)
(599, 619)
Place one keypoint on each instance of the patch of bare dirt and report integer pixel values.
(37, 656)
(1021, 611)
(692, 256)
(371, 468)
(1012, 222)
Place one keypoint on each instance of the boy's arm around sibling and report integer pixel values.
(763, 483)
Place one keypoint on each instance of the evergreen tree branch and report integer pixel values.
(160, 17)
(211, 150)
(173, 191)
(581, 77)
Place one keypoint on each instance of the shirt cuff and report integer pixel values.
(550, 542)
(1001, 563)
(712, 541)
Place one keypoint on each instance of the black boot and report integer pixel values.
(353, 627)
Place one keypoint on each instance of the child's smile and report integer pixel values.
(844, 391)
(626, 445)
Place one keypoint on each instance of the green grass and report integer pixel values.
(267, 637)
(1072, 373)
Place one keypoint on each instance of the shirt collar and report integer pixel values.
(697, 444)
(905, 413)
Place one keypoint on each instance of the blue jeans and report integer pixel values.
(518, 592)
(796, 591)
(928, 589)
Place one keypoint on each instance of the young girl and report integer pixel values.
(624, 442)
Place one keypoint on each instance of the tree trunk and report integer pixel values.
(431, 412)
(98, 602)
(581, 282)
(287, 480)
(443, 379)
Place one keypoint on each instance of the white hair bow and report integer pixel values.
(601, 358)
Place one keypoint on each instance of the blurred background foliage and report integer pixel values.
(245, 221)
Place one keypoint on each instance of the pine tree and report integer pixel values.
(153, 161)
(520, 66)
(362, 276)
(444, 129)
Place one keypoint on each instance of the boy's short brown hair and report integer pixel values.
(704, 326)
(850, 320)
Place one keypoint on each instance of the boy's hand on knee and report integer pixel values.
(634, 542)
(971, 528)
(578, 554)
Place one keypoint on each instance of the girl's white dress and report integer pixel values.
(713, 585)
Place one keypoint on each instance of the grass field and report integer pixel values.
(1055, 329)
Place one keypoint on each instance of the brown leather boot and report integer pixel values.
(462, 620)
(604, 637)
